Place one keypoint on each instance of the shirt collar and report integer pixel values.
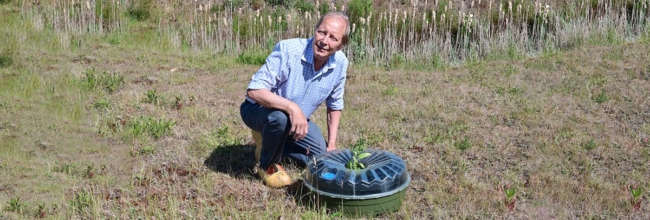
(308, 56)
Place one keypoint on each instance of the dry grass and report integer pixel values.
(568, 131)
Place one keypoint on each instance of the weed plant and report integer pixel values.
(252, 57)
(110, 82)
(155, 127)
(510, 197)
(636, 191)
(15, 205)
(152, 97)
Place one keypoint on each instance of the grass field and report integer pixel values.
(132, 124)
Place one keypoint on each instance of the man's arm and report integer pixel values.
(333, 119)
(266, 98)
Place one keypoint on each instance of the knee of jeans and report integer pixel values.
(318, 150)
(278, 119)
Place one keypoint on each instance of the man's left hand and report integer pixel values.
(331, 147)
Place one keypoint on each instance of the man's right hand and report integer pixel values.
(299, 124)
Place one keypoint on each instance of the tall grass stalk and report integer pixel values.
(433, 34)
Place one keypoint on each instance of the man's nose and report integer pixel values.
(325, 41)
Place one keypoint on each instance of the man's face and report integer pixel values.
(328, 37)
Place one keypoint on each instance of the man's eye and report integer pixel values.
(334, 39)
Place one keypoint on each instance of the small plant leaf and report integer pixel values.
(363, 155)
(510, 191)
(636, 192)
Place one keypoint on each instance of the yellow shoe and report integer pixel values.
(274, 176)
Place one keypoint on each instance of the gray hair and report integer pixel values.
(346, 35)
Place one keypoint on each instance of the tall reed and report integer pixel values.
(430, 33)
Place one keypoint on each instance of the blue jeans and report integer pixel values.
(274, 125)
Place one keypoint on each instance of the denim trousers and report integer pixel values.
(274, 125)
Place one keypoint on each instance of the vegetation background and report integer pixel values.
(501, 109)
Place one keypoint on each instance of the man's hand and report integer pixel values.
(331, 147)
(299, 124)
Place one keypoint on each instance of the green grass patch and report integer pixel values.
(155, 127)
(463, 144)
(600, 97)
(589, 145)
(110, 82)
(16, 205)
(81, 202)
(253, 57)
(6, 59)
(153, 97)
(102, 104)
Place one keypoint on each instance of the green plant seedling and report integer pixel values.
(510, 197)
(355, 163)
(153, 97)
(463, 145)
(636, 192)
(589, 145)
(110, 82)
(357, 155)
(636, 197)
(15, 205)
(601, 97)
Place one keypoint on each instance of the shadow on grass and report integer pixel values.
(238, 161)
(235, 160)
(298, 191)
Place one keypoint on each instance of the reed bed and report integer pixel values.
(434, 33)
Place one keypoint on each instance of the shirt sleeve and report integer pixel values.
(335, 100)
(269, 75)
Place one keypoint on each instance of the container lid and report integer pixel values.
(384, 174)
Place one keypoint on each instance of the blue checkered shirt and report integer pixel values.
(289, 72)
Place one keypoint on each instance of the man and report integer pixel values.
(298, 76)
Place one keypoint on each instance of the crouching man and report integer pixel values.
(298, 76)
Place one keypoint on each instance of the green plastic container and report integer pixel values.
(363, 207)
(377, 189)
